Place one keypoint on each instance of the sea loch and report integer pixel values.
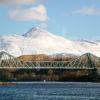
(51, 91)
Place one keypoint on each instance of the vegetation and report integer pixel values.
(47, 74)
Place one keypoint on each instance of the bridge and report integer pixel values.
(86, 61)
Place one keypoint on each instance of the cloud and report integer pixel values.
(43, 26)
(17, 1)
(88, 11)
(34, 13)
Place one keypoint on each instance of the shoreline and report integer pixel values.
(7, 83)
(42, 82)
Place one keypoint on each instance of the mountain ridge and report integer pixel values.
(40, 41)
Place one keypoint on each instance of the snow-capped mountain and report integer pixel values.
(39, 41)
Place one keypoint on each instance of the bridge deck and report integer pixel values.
(72, 68)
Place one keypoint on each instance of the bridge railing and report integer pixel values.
(44, 64)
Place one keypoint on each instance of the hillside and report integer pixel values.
(40, 41)
(38, 57)
(44, 57)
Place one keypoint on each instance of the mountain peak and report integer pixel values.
(33, 29)
(35, 32)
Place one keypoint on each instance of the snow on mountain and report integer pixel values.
(35, 32)
(88, 41)
(46, 42)
(90, 46)
(11, 44)
(64, 55)
(39, 41)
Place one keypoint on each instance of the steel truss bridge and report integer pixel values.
(86, 61)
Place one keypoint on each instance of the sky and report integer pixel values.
(73, 19)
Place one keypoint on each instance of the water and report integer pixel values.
(51, 91)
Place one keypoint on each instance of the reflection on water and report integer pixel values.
(51, 91)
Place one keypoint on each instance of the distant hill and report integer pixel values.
(38, 57)
(44, 57)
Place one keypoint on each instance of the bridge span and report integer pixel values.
(86, 61)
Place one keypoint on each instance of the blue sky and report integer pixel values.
(73, 19)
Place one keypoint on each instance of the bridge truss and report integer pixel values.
(86, 61)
